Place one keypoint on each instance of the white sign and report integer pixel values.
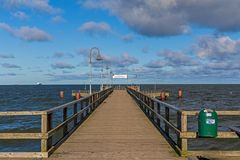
(210, 121)
(120, 76)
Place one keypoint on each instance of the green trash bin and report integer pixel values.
(207, 123)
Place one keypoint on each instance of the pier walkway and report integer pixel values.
(117, 130)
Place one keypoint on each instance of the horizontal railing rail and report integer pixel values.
(81, 109)
(159, 113)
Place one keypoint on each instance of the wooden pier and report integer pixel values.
(117, 130)
(115, 125)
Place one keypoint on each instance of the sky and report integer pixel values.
(153, 41)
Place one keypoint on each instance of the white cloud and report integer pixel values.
(145, 49)
(8, 74)
(174, 58)
(20, 15)
(7, 65)
(219, 59)
(6, 56)
(26, 33)
(172, 17)
(127, 38)
(40, 5)
(216, 47)
(124, 60)
(95, 28)
(83, 51)
(58, 55)
(58, 19)
(223, 65)
(156, 64)
(62, 65)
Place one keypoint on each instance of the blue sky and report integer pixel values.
(163, 41)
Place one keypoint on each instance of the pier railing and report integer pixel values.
(80, 109)
(172, 122)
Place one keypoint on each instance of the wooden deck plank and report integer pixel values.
(118, 129)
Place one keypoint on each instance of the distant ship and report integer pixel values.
(38, 83)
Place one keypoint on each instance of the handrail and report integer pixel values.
(168, 105)
(220, 113)
(156, 100)
(68, 104)
(21, 113)
(87, 106)
(159, 113)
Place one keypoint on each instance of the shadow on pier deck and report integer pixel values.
(118, 129)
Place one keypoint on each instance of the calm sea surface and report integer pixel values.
(42, 97)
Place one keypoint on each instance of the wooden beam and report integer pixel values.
(22, 135)
(219, 113)
(22, 113)
(215, 154)
(193, 135)
(182, 126)
(65, 129)
(167, 118)
(23, 155)
(46, 125)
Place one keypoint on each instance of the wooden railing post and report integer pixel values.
(159, 112)
(65, 128)
(143, 106)
(90, 103)
(140, 99)
(85, 111)
(153, 107)
(46, 125)
(80, 108)
(94, 100)
(148, 102)
(182, 126)
(167, 118)
(74, 112)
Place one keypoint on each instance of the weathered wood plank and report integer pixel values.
(22, 135)
(193, 135)
(215, 154)
(30, 155)
(220, 113)
(22, 113)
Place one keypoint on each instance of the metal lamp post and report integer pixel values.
(98, 58)
(107, 68)
(101, 59)
(111, 74)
